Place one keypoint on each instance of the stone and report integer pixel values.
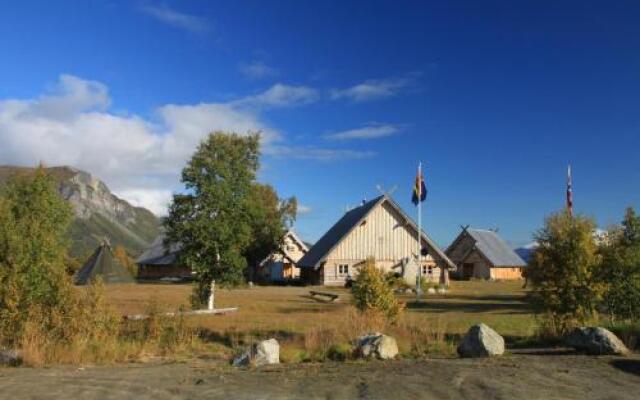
(442, 290)
(431, 291)
(377, 345)
(262, 353)
(596, 341)
(10, 357)
(408, 291)
(481, 341)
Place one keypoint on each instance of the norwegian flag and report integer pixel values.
(569, 192)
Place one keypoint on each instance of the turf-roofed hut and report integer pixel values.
(483, 254)
(160, 262)
(103, 265)
(379, 229)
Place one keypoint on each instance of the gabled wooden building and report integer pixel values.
(282, 264)
(379, 229)
(482, 254)
(160, 262)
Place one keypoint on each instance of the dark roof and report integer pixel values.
(350, 220)
(102, 264)
(159, 254)
(494, 249)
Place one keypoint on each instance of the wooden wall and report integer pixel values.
(384, 236)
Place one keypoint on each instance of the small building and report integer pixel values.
(482, 254)
(379, 229)
(282, 264)
(161, 262)
(104, 266)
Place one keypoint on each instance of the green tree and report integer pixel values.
(33, 250)
(212, 219)
(372, 291)
(563, 269)
(620, 269)
(270, 219)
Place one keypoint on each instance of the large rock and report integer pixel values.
(481, 341)
(377, 345)
(10, 357)
(263, 353)
(596, 340)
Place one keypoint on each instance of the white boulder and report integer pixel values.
(377, 345)
(481, 341)
(263, 353)
(10, 357)
(597, 341)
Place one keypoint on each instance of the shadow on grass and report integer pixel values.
(233, 338)
(451, 304)
(628, 366)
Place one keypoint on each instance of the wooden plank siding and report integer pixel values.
(383, 235)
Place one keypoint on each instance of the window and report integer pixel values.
(343, 269)
(427, 270)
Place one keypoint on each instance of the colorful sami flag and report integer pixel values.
(419, 189)
(569, 192)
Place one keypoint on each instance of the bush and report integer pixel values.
(340, 352)
(562, 272)
(620, 270)
(372, 292)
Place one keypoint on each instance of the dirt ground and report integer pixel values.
(519, 376)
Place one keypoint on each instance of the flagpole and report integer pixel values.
(419, 258)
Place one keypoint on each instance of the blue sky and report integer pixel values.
(495, 97)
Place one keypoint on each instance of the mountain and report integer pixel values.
(525, 252)
(98, 212)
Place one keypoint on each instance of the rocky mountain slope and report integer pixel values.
(98, 212)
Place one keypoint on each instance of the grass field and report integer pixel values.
(303, 323)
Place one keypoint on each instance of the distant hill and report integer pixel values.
(525, 252)
(98, 212)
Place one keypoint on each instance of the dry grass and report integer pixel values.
(310, 330)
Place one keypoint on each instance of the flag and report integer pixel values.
(569, 191)
(419, 189)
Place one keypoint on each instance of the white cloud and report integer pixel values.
(280, 95)
(155, 200)
(257, 70)
(304, 209)
(138, 158)
(372, 131)
(374, 89)
(175, 18)
(316, 153)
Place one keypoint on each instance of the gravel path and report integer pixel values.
(512, 377)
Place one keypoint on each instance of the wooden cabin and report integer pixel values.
(482, 254)
(160, 262)
(282, 264)
(379, 229)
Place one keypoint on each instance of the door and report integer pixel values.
(276, 271)
(467, 270)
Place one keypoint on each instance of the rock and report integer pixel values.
(481, 341)
(377, 345)
(431, 291)
(263, 353)
(10, 357)
(442, 290)
(596, 340)
(408, 291)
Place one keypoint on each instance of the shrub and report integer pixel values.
(340, 352)
(562, 272)
(372, 291)
(620, 269)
